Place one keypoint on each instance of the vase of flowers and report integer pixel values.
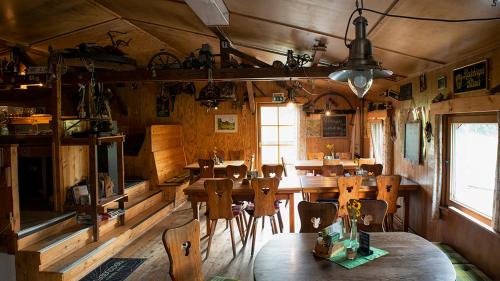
(330, 148)
(354, 210)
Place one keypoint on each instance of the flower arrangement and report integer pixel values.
(330, 148)
(354, 209)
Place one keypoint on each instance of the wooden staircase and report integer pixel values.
(66, 250)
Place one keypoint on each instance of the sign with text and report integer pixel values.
(334, 126)
(470, 77)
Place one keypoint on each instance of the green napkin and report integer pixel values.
(340, 258)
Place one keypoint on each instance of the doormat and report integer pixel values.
(113, 270)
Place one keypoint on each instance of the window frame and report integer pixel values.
(486, 117)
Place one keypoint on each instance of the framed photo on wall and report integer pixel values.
(226, 123)
(423, 82)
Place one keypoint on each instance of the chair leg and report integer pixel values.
(274, 224)
(390, 222)
(212, 232)
(244, 218)
(232, 236)
(286, 203)
(263, 221)
(239, 224)
(227, 224)
(249, 229)
(254, 231)
(280, 221)
(273, 230)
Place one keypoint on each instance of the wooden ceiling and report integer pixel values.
(262, 28)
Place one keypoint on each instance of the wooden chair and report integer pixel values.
(220, 154)
(274, 171)
(369, 161)
(388, 188)
(183, 248)
(206, 168)
(332, 170)
(373, 169)
(315, 155)
(284, 166)
(344, 155)
(263, 205)
(372, 216)
(220, 205)
(236, 173)
(316, 216)
(348, 189)
(236, 155)
(332, 162)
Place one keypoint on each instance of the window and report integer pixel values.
(278, 134)
(472, 154)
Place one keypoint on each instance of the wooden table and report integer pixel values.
(319, 184)
(220, 169)
(287, 188)
(317, 165)
(411, 257)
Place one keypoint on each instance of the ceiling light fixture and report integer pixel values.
(361, 68)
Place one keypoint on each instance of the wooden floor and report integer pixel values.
(220, 262)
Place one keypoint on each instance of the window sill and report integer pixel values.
(445, 212)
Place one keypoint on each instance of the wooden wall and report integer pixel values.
(475, 242)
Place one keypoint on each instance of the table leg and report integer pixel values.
(406, 199)
(292, 212)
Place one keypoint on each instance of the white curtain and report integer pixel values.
(377, 139)
(496, 195)
(438, 173)
(356, 134)
(301, 133)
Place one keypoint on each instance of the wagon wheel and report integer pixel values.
(164, 60)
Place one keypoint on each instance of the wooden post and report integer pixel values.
(251, 97)
(94, 184)
(9, 192)
(121, 178)
(57, 134)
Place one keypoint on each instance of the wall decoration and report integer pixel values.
(470, 77)
(442, 82)
(412, 149)
(405, 91)
(227, 123)
(423, 82)
(313, 127)
(163, 102)
(334, 126)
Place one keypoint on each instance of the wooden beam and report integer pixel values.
(194, 75)
(251, 97)
(467, 105)
(57, 133)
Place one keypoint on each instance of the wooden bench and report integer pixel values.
(161, 159)
(464, 269)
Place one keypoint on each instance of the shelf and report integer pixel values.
(115, 198)
(65, 118)
(26, 139)
(86, 141)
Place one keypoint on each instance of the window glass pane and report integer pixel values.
(288, 115)
(268, 115)
(473, 164)
(289, 153)
(288, 135)
(269, 135)
(270, 155)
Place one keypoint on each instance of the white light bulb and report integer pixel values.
(360, 82)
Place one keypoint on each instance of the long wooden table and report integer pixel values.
(317, 185)
(219, 169)
(411, 257)
(242, 192)
(317, 165)
(291, 185)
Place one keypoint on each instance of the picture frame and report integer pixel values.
(423, 82)
(441, 82)
(226, 123)
(471, 77)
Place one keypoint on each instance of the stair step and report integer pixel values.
(57, 246)
(49, 228)
(84, 260)
(133, 188)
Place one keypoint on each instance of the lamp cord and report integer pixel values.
(360, 9)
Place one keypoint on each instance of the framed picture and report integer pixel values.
(334, 126)
(313, 127)
(423, 82)
(470, 77)
(226, 123)
(442, 82)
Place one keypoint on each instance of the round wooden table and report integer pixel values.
(411, 257)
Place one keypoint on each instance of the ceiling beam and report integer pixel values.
(388, 10)
(194, 75)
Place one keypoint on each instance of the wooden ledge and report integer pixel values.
(467, 105)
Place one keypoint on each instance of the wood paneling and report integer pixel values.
(454, 227)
